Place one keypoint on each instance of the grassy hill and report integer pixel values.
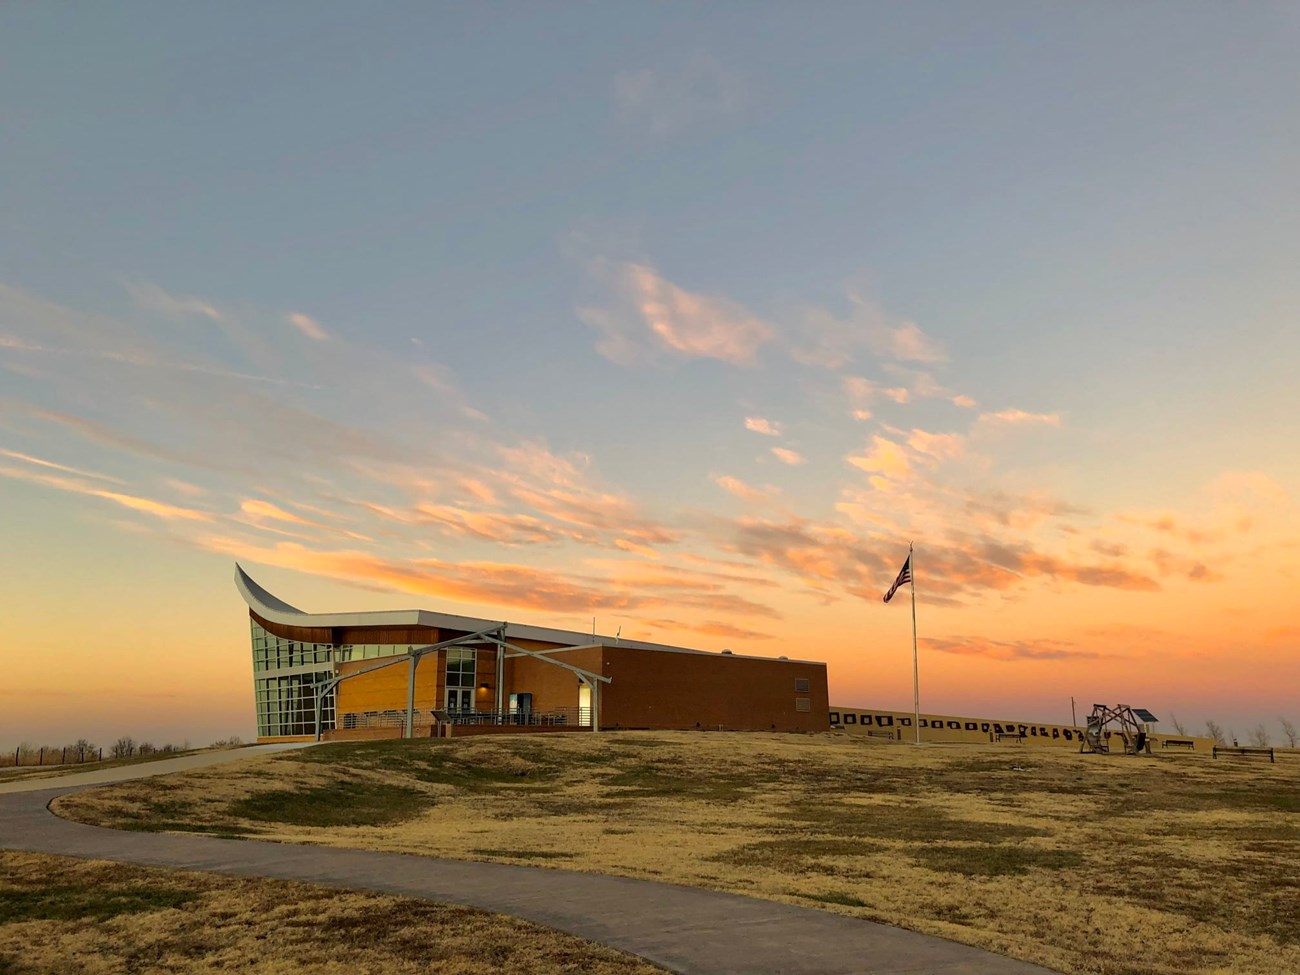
(1168, 865)
(60, 915)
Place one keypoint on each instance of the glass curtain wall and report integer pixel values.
(285, 676)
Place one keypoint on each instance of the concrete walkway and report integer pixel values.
(68, 781)
(683, 929)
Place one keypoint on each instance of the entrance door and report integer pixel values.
(460, 699)
(584, 706)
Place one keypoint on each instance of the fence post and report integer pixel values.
(101, 754)
(40, 756)
(17, 752)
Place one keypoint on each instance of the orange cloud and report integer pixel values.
(760, 425)
(708, 628)
(37, 461)
(1020, 418)
(786, 456)
(159, 509)
(1013, 650)
(491, 583)
(737, 487)
(939, 446)
(679, 321)
(884, 457)
(308, 326)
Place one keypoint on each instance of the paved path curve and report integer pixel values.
(684, 929)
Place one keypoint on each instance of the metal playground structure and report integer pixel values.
(1130, 725)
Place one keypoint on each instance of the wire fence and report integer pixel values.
(42, 755)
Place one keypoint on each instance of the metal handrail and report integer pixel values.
(575, 717)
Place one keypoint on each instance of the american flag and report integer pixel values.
(904, 577)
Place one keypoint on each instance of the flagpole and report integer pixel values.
(916, 672)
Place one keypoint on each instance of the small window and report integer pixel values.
(972, 726)
(1056, 732)
(835, 717)
(905, 722)
(803, 704)
(955, 725)
(1034, 732)
(1069, 735)
(850, 719)
(802, 684)
(997, 728)
(885, 720)
(925, 723)
(984, 726)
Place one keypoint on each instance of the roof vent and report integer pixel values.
(727, 652)
(782, 658)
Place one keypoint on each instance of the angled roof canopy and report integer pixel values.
(276, 610)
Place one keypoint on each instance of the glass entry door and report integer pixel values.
(461, 662)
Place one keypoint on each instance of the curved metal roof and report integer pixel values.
(276, 610)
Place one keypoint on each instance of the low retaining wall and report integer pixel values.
(466, 730)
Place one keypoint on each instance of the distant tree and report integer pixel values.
(1214, 730)
(234, 741)
(1178, 725)
(147, 748)
(1289, 732)
(123, 747)
(1259, 736)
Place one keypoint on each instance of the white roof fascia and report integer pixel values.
(272, 608)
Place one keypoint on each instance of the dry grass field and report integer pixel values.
(59, 916)
(12, 773)
(1112, 865)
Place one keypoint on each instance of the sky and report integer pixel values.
(685, 319)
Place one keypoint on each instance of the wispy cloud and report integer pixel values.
(738, 488)
(787, 456)
(1019, 418)
(833, 342)
(39, 462)
(153, 298)
(883, 456)
(760, 425)
(665, 100)
(486, 582)
(653, 315)
(1011, 650)
(308, 326)
(149, 506)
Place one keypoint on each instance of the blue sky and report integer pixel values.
(264, 251)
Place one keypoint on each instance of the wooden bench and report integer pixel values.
(1011, 735)
(1245, 751)
(880, 734)
(1176, 743)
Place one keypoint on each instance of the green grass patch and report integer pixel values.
(339, 804)
(79, 903)
(994, 861)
